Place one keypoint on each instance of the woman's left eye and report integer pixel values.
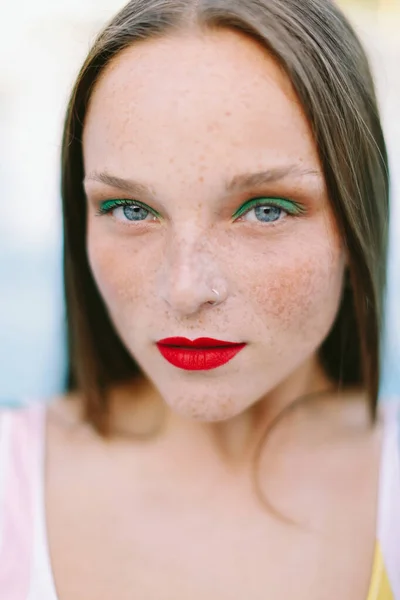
(267, 210)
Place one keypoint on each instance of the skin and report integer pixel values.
(184, 117)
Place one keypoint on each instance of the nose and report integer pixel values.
(191, 276)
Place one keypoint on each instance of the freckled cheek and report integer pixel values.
(120, 269)
(298, 292)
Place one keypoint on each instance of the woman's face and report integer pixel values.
(195, 128)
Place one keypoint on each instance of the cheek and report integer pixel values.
(119, 269)
(301, 292)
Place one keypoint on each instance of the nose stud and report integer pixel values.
(218, 298)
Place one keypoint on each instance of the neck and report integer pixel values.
(236, 439)
(240, 437)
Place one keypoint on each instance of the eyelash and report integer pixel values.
(109, 205)
(291, 208)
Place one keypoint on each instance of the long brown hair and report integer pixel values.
(321, 54)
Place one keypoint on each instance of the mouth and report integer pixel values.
(202, 354)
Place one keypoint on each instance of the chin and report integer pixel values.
(207, 408)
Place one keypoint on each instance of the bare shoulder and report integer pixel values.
(132, 408)
(65, 422)
(66, 408)
(125, 402)
(64, 417)
(345, 413)
(343, 424)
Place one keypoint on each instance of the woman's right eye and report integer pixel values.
(130, 213)
(127, 211)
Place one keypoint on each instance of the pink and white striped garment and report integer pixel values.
(25, 569)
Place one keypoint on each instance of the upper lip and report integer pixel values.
(198, 343)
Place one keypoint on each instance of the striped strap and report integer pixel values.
(19, 447)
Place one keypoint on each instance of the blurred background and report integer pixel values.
(42, 46)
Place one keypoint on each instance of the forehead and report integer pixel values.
(215, 99)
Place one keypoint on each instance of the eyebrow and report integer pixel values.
(126, 185)
(236, 184)
(246, 180)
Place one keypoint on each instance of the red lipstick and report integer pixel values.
(202, 354)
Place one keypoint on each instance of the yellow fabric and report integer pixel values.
(380, 586)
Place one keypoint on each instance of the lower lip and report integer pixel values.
(199, 359)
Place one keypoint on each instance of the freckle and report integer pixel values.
(201, 179)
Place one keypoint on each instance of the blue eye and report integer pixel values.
(268, 210)
(134, 213)
(268, 214)
(127, 210)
